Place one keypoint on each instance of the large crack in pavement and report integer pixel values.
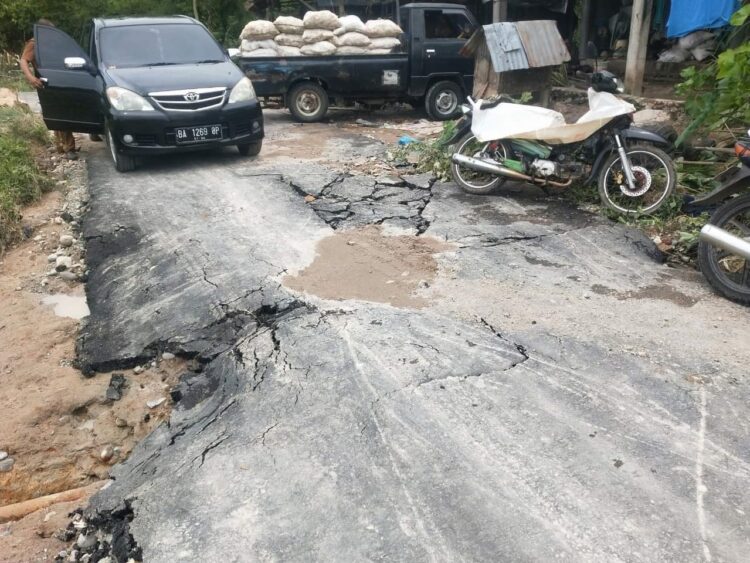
(317, 430)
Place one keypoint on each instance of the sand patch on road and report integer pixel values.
(369, 265)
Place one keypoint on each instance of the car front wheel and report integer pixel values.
(123, 162)
(250, 149)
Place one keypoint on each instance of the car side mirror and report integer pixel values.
(75, 63)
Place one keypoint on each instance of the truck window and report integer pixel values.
(443, 24)
(164, 44)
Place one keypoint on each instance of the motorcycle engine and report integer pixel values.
(540, 167)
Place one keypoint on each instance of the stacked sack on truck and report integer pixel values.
(319, 33)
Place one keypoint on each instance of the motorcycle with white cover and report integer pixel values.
(533, 144)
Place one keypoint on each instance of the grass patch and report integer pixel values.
(10, 74)
(21, 180)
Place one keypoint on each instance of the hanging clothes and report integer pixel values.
(687, 16)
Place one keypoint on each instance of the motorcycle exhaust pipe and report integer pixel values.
(725, 240)
(489, 167)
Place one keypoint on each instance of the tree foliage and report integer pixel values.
(225, 18)
(717, 94)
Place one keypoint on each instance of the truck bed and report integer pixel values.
(355, 76)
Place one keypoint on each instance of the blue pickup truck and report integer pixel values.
(428, 71)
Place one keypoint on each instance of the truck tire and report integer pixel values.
(443, 100)
(308, 102)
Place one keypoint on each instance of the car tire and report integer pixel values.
(308, 102)
(443, 100)
(250, 149)
(123, 162)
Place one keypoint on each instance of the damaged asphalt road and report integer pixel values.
(544, 405)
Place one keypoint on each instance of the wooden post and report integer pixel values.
(584, 31)
(640, 23)
(499, 11)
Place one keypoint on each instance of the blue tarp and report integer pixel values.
(686, 16)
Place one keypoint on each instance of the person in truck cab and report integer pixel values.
(64, 140)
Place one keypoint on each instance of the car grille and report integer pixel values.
(145, 140)
(189, 100)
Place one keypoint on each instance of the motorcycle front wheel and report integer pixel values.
(654, 181)
(471, 181)
(728, 273)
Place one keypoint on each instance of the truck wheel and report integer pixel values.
(308, 102)
(443, 100)
(123, 162)
(250, 149)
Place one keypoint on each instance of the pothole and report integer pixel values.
(369, 265)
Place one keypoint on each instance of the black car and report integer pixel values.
(149, 85)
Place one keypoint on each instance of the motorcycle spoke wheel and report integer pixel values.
(728, 273)
(654, 182)
(473, 181)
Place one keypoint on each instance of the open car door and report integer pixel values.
(71, 97)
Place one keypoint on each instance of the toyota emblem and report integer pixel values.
(191, 97)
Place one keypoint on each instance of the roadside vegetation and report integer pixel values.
(22, 137)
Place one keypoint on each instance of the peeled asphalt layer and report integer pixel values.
(546, 405)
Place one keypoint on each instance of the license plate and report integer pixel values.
(198, 134)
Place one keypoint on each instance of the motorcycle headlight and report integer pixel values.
(242, 92)
(125, 100)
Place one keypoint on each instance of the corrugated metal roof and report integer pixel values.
(505, 47)
(542, 42)
(527, 44)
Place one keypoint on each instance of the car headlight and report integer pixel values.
(125, 100)
(242, 92)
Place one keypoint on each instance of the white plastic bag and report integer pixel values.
(352, 39)
(694, 39)
(248, 45)
(385, 43)
(289, 51)
(289, 40)
(259, 30)
(701, 53)
(260, 53)
(346, 50)
(507, 121)
(382, 28)
(324, 19)
(348, 24)
(311, 36)
(319, 48)
(289, 24)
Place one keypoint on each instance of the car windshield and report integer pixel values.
(157, 45)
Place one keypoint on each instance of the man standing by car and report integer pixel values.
(64, 140)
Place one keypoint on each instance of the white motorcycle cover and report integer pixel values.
(515, 121)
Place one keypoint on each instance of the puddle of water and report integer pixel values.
(72, 306)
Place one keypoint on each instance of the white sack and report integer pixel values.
(701, 53)
(248, 45)
(385, 43)
(319, 48)
(260, 53)
(351, 51)
(314, 35)
(674, 55)
(324, 19)
(289, 24)
(515, 121)
(289, 51)
(352, 39)
(379, 51)
(694, 39)
(382, 28)
(289, 40)
(350, 23)
(259, 30)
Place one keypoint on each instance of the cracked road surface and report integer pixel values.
(561, 394)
